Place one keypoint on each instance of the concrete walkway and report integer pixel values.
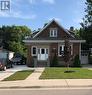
(35, 75)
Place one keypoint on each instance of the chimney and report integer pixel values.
(72, 29)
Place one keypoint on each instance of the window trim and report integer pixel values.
(59, 49)
(32, 51)
(63, 48)
(52, 31)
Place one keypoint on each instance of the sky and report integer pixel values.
(34, 13)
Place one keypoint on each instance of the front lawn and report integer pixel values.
(20, 75)
(59, 73)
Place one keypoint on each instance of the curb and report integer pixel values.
(15, 87)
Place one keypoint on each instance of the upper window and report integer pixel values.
(53, 32)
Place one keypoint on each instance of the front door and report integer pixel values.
(42, 54)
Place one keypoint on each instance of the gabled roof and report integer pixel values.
(53, 20)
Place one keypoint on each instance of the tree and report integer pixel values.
(88, 10)
(86, 30)
(12, 37)
(77, 33)
(67, 53)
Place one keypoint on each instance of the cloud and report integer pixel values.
(49, 1)
(32, 1)
(38, 1)
(16, 15)
(17, 12)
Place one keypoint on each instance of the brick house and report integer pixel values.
(44, 44)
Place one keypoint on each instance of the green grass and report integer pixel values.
(20, 75)
(59, 73)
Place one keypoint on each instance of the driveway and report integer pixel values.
(87, 66)
(8, 72)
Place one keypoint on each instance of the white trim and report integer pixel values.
(49, 24)
(63, 49)
(53, 41)
(43, 48)
(59, 49)
(32, 51)
(43, 41)
(52, 31)
(44, 51)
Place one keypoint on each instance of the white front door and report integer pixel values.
(42, 53)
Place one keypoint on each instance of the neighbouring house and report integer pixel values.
(44, 44)
(5, 54)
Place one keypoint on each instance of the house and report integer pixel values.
(44, 44)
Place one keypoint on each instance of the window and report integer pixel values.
(53, 32)
(42, 51)
(61, 50)
(46, 51)
(34, 50)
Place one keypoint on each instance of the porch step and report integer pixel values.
(42, 64)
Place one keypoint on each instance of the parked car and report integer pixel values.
(2, 67)
(18, 59)
(5, 65)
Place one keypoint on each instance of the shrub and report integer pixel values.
(54, 62)
(77, 62)
(90, 59)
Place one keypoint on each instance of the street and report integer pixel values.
(54, 91)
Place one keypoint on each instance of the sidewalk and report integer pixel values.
(33, 82)
(47, 83)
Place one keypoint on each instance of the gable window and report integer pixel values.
(34, 51)
(53, 32)
(61, 50)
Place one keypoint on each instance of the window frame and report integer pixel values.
(59, 49)
(32, 51)
(63, 49)
(52, 32)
